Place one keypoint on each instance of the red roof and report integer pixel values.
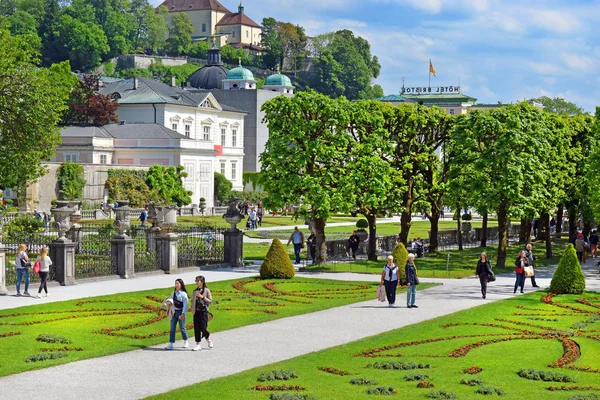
(237, 19)
(246, 46)
(190, 5)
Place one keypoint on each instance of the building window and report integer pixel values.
(233, 170)
(188, 129)
(71, 157)
(174, 127)
(223, 168)
(223, 131)
(206, 133)
(452, 111)
(233, 34)
(203, 27)
(247, 34)
(233, 137)
(103, 159)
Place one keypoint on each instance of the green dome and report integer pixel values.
(278, 80)
(239, 73)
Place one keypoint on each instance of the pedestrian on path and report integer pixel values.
(201, 299)
(297, 238)
(45, 263)
(412, 281)
(520, 264)
(253, 217)
(180, 305)
(484, 269)
(580, 247)
(594, 243)
(311, 242)
(531, 261)
(353, 243)
(22, 264)
(389, 277)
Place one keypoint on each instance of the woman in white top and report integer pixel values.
(389, 276)
(45, 263)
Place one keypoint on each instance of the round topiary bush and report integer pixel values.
(277, 263)
(400, 255)
(362, 224)
(568, 277)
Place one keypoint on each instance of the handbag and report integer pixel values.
(417, 280)
(210, 316)
(491, 278)
(36, 267)
(528, 271)
(380, 293)
(519, 270)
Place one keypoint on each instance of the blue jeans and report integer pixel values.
(297, 250)
(520, 282)
(411, 295)
(20, 273)
(174, 321)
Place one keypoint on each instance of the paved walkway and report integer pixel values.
(149, 371)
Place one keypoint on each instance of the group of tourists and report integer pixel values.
(391, 280)
(585, 245)
(41, 266)
(255, 216)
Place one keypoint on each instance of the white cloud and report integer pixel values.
(576, 61)
(546, 68)
(554, 21)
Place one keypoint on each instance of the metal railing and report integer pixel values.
(199, 245)
(93, 252)
(145, 249)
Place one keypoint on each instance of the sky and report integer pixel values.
(499, 50)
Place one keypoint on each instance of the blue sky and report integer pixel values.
(502, 50)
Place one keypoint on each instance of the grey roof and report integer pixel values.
(123, 131)
(208, 77)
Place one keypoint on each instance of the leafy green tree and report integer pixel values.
(199, 49)
(129, 184)
(32, 100)
(270, 42)
(82, 42)
(592, 168)
(167, 183)
(22, 23)
(222, 187)
(156, 29)
(232, 55)
(71, 181)
(558, 105)
(303, 161)
(180, 34)
(326, 75)
(8, 7)
(504, 148)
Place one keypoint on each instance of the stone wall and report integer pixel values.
(144, 61)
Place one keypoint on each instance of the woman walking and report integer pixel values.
(201, 299)
(180, 305)
(22, 263)
(412, 281)
(520, 264)
(45, 263)
(484, 269)
(389, 277)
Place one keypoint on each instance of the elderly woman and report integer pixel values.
(412, 281)
(389, 277)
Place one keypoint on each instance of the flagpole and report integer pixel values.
(430, 73)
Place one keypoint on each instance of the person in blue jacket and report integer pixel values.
(180, 306)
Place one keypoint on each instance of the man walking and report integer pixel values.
(297, 238)
(252, 216)
(142, 217)
(353, 243)
(530, 260)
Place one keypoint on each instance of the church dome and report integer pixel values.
(208, 77)
(278, 80)
(240, 73)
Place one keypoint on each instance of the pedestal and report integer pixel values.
(74, 234)
(233, 247)
(151, 238)
(122, 253)
(3, 290)
(62, 253)
(167, 252)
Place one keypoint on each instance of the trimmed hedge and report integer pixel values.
(400, 255)
(277, 263)
(568, 277)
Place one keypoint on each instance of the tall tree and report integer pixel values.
(32, 100)
(303, 161)
(88, 108)
(270, 42)
(558, 105)
(180, 34)
(83, 43)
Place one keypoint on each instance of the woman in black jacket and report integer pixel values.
(484, 269)
(520, 264)
(411, 281)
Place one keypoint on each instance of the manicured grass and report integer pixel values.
(117, 323)
(500, 338)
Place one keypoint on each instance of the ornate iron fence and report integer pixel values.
(93, 257)
(145, 249)
(199, 245)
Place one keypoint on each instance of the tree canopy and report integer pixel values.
(558, 105)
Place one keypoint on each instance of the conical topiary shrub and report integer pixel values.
(568, 277)
(400, 258)
(277, 263)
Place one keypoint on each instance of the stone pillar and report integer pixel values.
(166, 245)
(122, 254)
(3, 290)
(233, 247)
(195, 210)
(62, 253)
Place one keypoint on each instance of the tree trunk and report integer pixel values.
(587, 227)
(459, 230)
(525, 231)
(502, 235)
(405, 219)
(319, 226)
(372, 253)
(544, 225)
(559, 218)
(484, 230)
(572, 224)
(434, 222)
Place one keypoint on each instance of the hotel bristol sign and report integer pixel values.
(431, 90)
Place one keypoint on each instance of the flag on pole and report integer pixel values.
(431, 69)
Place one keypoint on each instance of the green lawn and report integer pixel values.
(557, 339)
(117, 323)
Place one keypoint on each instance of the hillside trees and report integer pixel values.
(283, 41)
(32, 100)
(86, 107)
(180, 34)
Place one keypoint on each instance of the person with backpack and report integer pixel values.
(391, 280)
(180, 306)
(201, 300)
